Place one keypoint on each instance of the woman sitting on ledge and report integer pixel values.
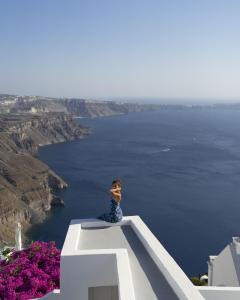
(115, 214)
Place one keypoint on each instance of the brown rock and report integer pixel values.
(27, 185)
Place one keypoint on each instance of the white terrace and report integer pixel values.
(123, 261)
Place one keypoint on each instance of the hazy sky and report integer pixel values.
(115, 48)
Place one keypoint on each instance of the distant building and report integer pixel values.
(33, 110)
(224, 269)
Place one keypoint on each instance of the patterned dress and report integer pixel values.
(115, 215)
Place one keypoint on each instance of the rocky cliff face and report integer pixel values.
(91, 109)
(76, 107)
(26, 184)
(30, 131)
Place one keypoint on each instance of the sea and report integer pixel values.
(180, 172)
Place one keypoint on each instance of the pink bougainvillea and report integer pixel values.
(30, 273)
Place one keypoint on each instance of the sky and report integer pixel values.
(153, 49)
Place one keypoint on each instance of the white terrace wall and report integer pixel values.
(220, 293)
(81, 269)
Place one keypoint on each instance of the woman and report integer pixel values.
(115, 214)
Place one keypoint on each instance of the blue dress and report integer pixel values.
(115, 215)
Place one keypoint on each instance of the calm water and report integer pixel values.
(180, 173)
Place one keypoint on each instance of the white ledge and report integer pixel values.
(173, 274)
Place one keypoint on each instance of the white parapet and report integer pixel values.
(174, 275)
(220, 293)
(86, 263)
(55, 294)
(125, 261)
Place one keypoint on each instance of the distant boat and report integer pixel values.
(165, 150)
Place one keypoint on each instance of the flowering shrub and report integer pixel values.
(30, 273)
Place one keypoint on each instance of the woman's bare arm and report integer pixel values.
(116, 193)
(116, 196)
(113, 190)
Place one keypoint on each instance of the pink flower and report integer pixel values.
(30, 273)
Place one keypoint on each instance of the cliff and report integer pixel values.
(92, 109)
(74, 106)
(26, 184)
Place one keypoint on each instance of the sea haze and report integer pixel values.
(180, 171)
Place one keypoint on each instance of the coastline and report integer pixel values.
(27, 184)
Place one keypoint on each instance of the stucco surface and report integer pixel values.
(148, 281)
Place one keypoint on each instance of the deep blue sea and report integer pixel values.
(180, 171)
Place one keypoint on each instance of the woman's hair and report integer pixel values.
(117, 181)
